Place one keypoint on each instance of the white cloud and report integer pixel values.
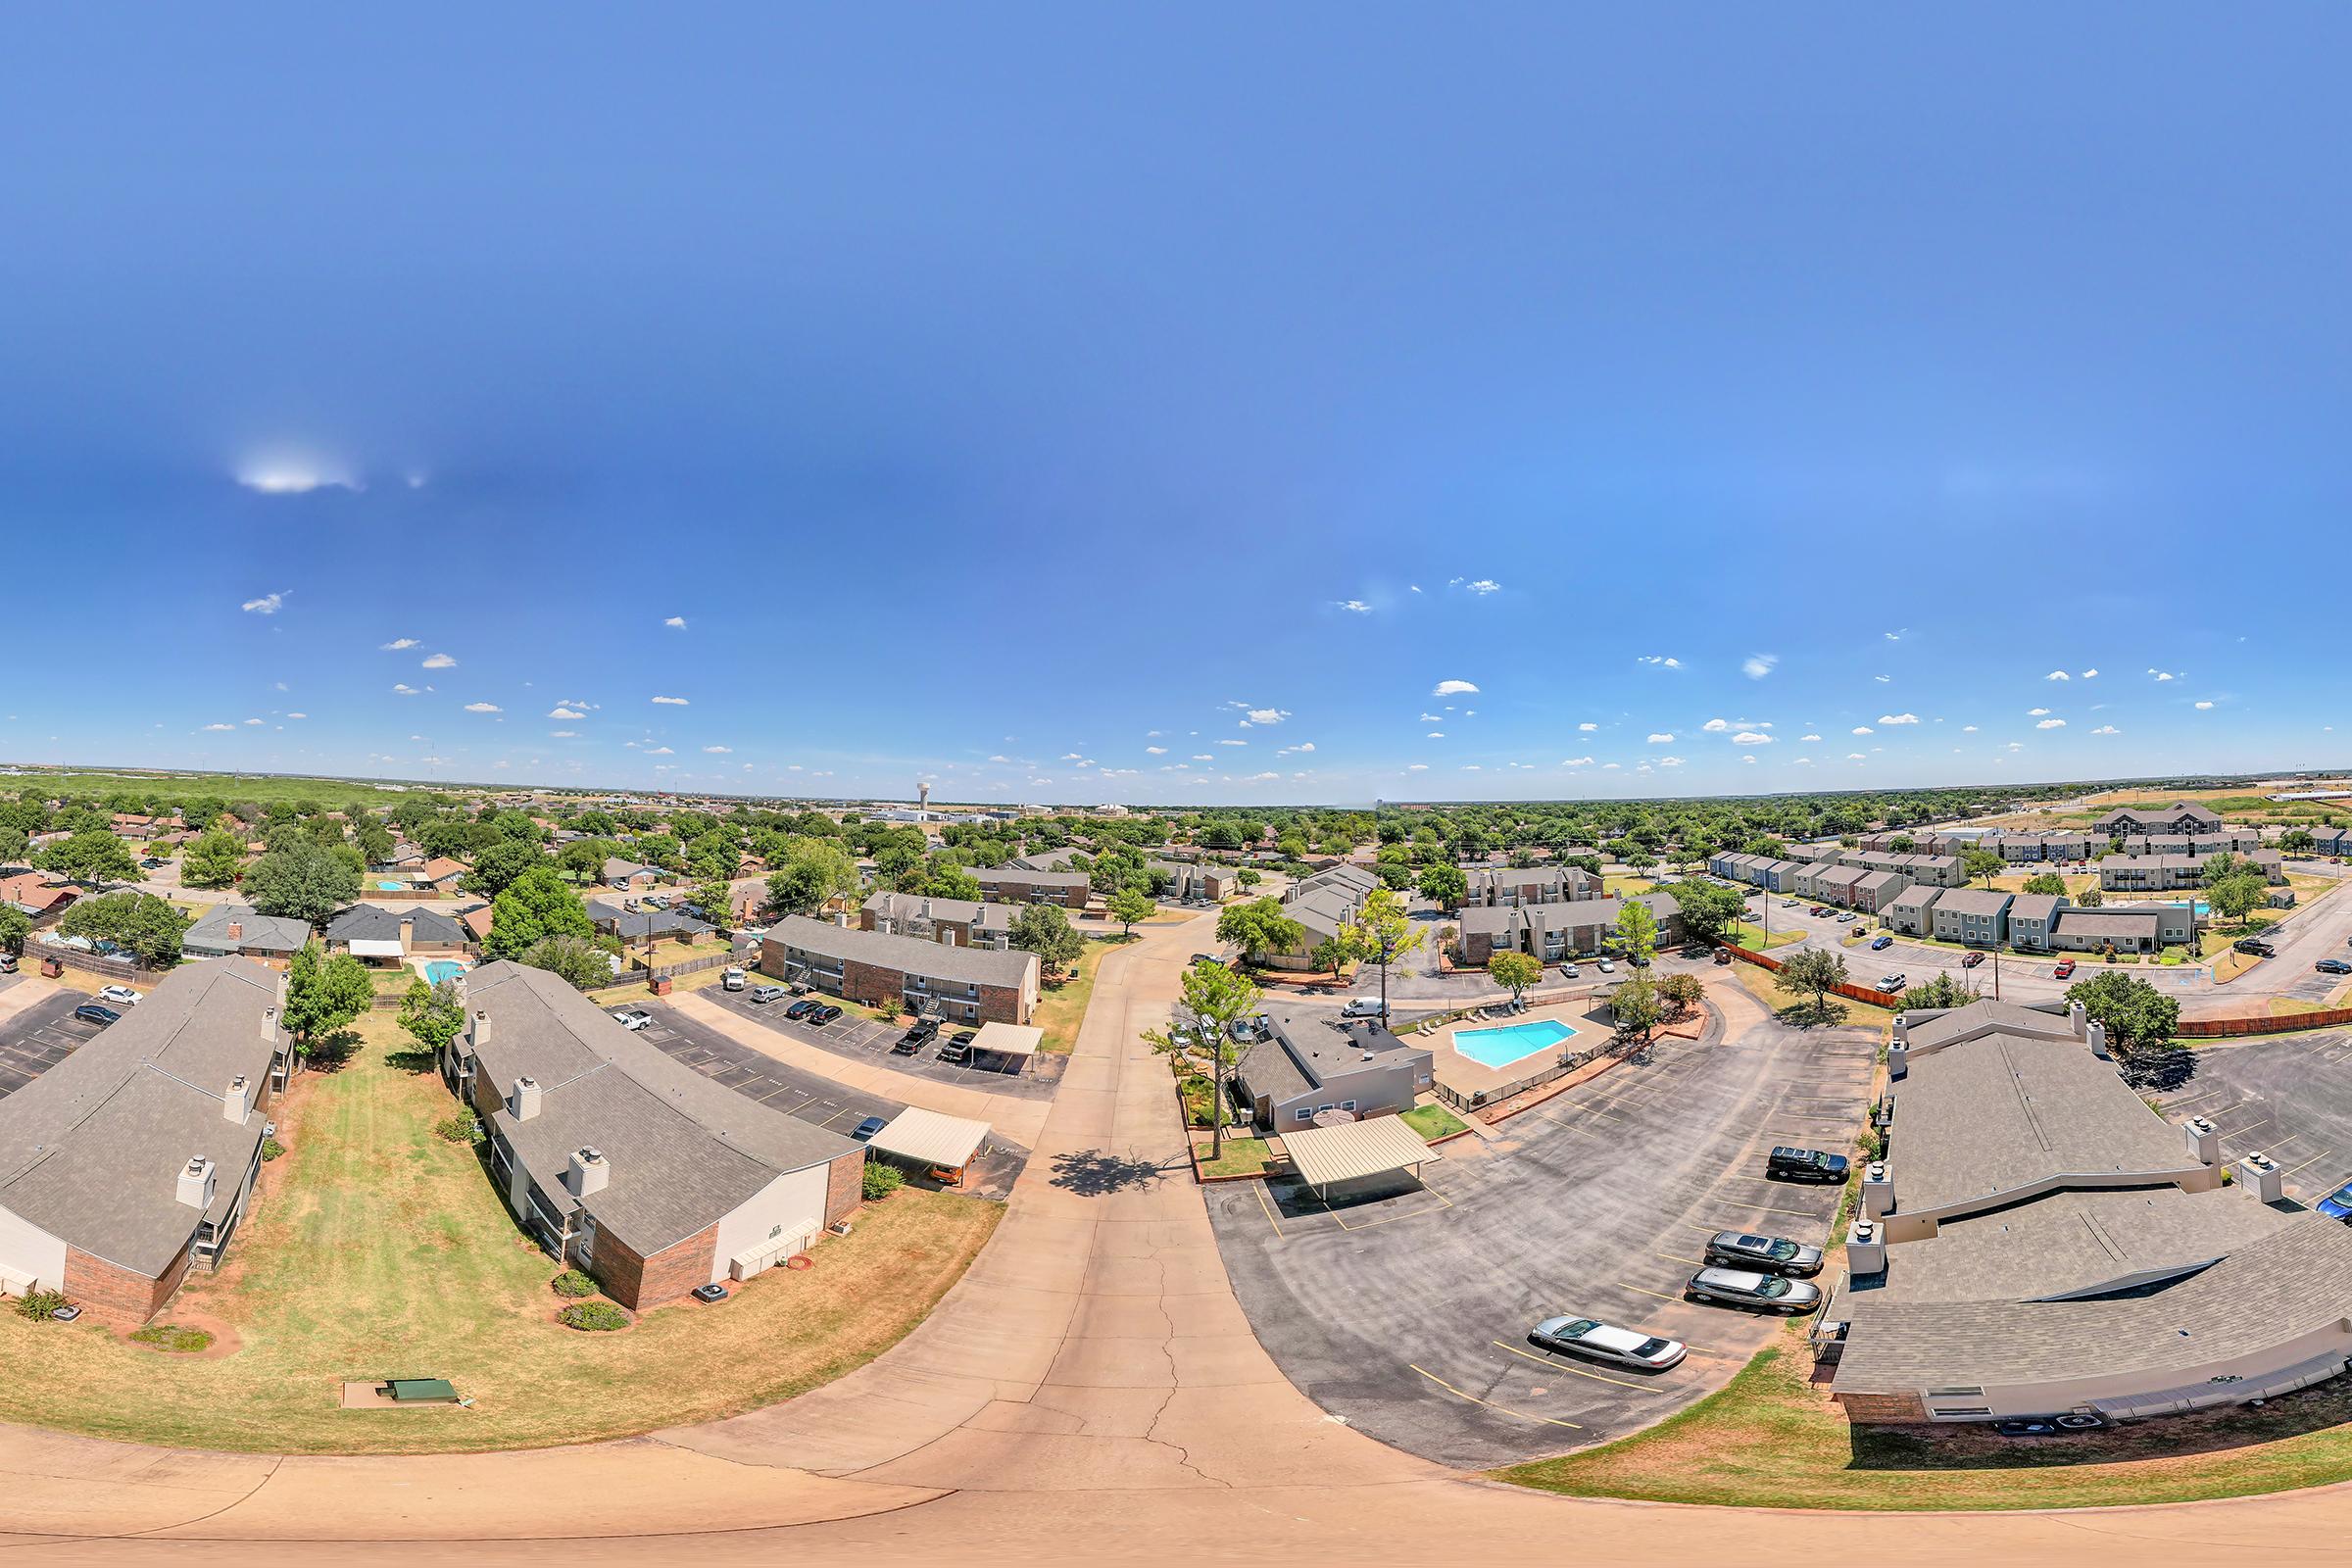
(2090, 674)
(1755, 667)
(440, 661)
(1661, 738)
(1662, 660)
(1148, 751)
(1670, 761)
(1802, 762)
(1472, 768)
(2106, 729)
(1451, 688)
(1749, 737)
(267, 605)
(676, 623)
(404, 689)
(1576, 761)
(1484, 585)
(1355, 607)
(1232, 743)
(1416, 767)
(2037, 713)
(563, 734)
(1856, 756)
(482, 708)
(1001, 758)
(1203, 757)
(1896, 635)
(1266, 715)
(2057, 674)
(1862, 729)
(1968, 729)
(1747, 759)
(2160, 674)
(1302, 746)
(220, 727)
(255, 722)
(397, 644)
(1716, 726)
(298, 716)
(719, 751)
(671, 701)
(660, 751)
(1899, 719)
(560, 712)
(1587, 728)
(2201, 707)
(2051, 724)
(1437, 735)
(1808, 737)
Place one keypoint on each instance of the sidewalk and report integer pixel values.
(1018, 1120)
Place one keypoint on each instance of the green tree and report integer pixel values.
(148, 926)
(323, 995)
(1445, 884)
(814, 872)
(1637, 931)
(1707, 910)
(534, 906)
(92, 857)
(302, 881)
(2297, 841)
(500, 864)
(375, 840)
(1945, 990)
(213, 860)
(1213, 997)
(1259, 927)
(1635, 1007)
(1979, 863)
(1332, 952)
(1680, 993)
(2091, 898)
(1813, 972)
(1042, 929)
(15, 926)
(1248, 878)
(1381, 933)
(2049, 882)
(1128, 906)
(432, 1014)
(713, 900)
(1514, 972)
(582, 964)
(2138, 1016)
(2234, 885)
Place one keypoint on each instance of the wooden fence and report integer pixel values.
(1852, 993)
(2284, 1023)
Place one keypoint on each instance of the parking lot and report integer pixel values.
(1407, 1314)
(2290, 1099)
(863, 1038)
(39, 1038)
(803, 1095)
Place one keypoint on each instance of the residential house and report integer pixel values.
(631, 876)
(1911, 914)
(1008, 884)
(969, 985)
(960, 922)
(626, 1162)
(391, 938)
(2183, 818)
(234, 930)
(646, 925)
(1977, 916)
(1972, 1294)
(1317, 1061)
(38, 894)
(1553, 933)
(129, 1163)
(475, 918)
(443, 874)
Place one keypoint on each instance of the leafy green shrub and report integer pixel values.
(593, 1317)
(270, 1150)
(463, 1128)
(571, 1282)
(38, 1305)
(880, 1180)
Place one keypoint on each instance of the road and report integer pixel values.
(1089, 1392)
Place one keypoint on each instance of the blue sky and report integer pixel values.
(1066, 404)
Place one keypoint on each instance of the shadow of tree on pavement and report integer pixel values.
(1093, 1173)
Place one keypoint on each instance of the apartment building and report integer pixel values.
(2235, 840)
(1872, 891)
(1977, 916)
(2030, 919)
(626, 1162)
(1557, 932)
(2184, 818)
(1507, 887)
(129, 1163)
(958, 922)
(1310, 1062)
(1911, 912)
(1008, 884)
(963, 984)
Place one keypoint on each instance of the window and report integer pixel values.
(1305, 1114)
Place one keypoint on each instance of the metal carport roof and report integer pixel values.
(1323, 1156)
(931, 1139)
(1010, 1039)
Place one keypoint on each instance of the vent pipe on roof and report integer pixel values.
(2263, 1177)
(588, 1173)
(2204, 1140)
(482, 1029)
(1878, 1189)
(269, 1025)
(2098, 1041)
(195, 1187)
(237, 1103)
(2074, 1017)
(522, 1103)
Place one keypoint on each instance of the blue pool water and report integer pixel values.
(441, 970)
(391, 887)
(1500, 1047)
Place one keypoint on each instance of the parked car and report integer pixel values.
(767, 994)
(825, 1012)
(1847, 918)
(866, 1129)
(1972, 960)
(2255, 947)
(1206, 957)
(958, 1049)
(1605, 1342)
(1788, 903)
(1364, 1008)
(2338, 1204)
(1804, 1165)
(1605, 967)
(8, 963)
(1881, 944)
(1763, 1292)
(1637, 961)
(1892, 982)
(734, 980)
(1819, 910)
(97, 1013)
(803, 1007)
(2065, 968)
(122, 995)
(632, 1018)
(1569, 971)
(2333, 966)
(1766, 1254)
(1723, 955)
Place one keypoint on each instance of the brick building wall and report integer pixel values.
(637, 1283)
(844, 1185)
(1882, 1408)
(119, 1295)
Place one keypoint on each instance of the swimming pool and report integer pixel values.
(1500, 1047)
(391, 887)
(441, 970)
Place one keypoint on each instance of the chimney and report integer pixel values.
(2098, 1041)
(481, 1030)
(1899, 1059)
(407, 930)
(237, 930)
(589, 1172)
(282, 982)
(2204, 1140)
(2074, 1017)
(238, 1101)
(1877, 1191)
(196, 1183)
(524, 1103)
(269, 1025)
(2260, 1175)
(1865, 1249)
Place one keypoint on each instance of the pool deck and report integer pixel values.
(1465, 1076)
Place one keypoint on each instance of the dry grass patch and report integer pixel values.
(378, 1250)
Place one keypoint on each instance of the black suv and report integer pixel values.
(1805, 1165)
(2254, 949)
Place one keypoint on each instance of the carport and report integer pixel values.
(1358, 1150)
(1017, 1041)
(941, 1145)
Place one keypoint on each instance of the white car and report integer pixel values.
(118, 994)
(1605, 967)
(734, 980)
(1363, 1007)
(1605, 1342)
(1569, 971)
(632, 1018)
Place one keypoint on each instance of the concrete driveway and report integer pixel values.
(1407, 1314)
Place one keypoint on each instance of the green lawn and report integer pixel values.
(378, 1250)
(1243, 1156)
(1434, 1121)
(1771, 1440)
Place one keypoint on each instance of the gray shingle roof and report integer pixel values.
(91, 1150)
(637, 924)
(364, 923)
(684, 1151)
(261, 933)
(935, 961)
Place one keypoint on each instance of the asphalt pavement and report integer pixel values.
(39, 1038)
(865, 1040)
(2289, 1098)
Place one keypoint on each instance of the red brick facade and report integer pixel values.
(879, 986)
(119, 1295)
(844, 1186)
(1902, 1408)
(637, 1283)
